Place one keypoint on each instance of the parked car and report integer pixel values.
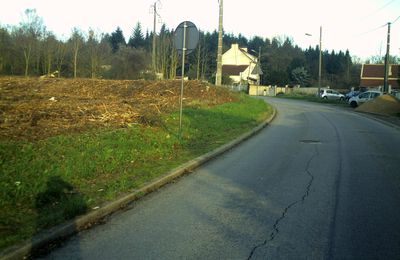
(331, 94)
(352, 94)
(364, 97)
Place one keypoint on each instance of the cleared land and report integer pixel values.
(69, 146)
(36, 108)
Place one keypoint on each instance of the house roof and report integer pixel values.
(372, 75)
(378, 71)
(248, 55)
(237, 56)
(232, 70)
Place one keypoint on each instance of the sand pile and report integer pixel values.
(383, 105)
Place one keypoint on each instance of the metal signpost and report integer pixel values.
(185, 40)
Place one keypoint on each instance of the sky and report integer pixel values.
(357, 25)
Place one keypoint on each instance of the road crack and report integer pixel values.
(275, 228)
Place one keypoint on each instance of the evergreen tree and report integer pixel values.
(137, 39)
(117, 38)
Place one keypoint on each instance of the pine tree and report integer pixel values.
(117, 38)
(137, 39)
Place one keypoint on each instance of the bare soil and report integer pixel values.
(34, 109)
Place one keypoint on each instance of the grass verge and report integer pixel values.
(313, 98)
(47, 182)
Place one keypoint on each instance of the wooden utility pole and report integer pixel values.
(385, 81)
(218, 76)
(153, 58)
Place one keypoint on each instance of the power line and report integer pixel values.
(380, 9)
(373, 13)
(372, 30)
(386, 5)
(379, 27)
(154, 10)
(396, 19)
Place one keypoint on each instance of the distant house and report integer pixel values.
(240, 66)
(372, 76)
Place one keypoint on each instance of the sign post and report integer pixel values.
(185, 40)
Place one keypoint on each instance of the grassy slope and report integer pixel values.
(47, 182)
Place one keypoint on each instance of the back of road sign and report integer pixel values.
(192, 37)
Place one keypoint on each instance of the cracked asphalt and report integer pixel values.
(318, 183)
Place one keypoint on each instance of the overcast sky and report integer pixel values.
(357, 25)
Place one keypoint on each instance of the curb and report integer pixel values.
(83, 222)
(384, 119)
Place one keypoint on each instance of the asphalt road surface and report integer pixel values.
(319, 183)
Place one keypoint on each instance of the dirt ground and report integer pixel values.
(383, 105)
(34, 109)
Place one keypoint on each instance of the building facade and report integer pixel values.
(372, 76)
(240, 66)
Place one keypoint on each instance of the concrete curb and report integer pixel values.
(387, 120)
(73, 226)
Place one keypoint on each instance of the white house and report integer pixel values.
(241, 66)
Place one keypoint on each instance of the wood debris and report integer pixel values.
(34, 109)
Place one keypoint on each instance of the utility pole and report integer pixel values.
(184, 49)
(218, 76)
(320, 61)
(259, 65)
(153, 58)
(153, 61)
(385, 81)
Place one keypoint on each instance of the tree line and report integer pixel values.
(30, 50)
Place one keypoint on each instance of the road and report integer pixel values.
(319, 183)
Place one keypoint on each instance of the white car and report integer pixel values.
(364, 97)
(331, 94)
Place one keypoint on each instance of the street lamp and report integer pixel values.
(320, 59)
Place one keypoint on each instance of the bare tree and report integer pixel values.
(92, 44)
(174, 64)
(204, 59)
(31, 28)
(76, 42)
(5, 49)
(96, 51)
(163, 52)
(50, 46)
(60, 53)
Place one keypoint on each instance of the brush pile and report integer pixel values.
(34, 108)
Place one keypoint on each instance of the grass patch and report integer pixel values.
(313, 98)
(47, 182)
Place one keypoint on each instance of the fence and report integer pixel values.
(255, 90)
(237, 88)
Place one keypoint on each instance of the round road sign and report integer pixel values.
(191, 36)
